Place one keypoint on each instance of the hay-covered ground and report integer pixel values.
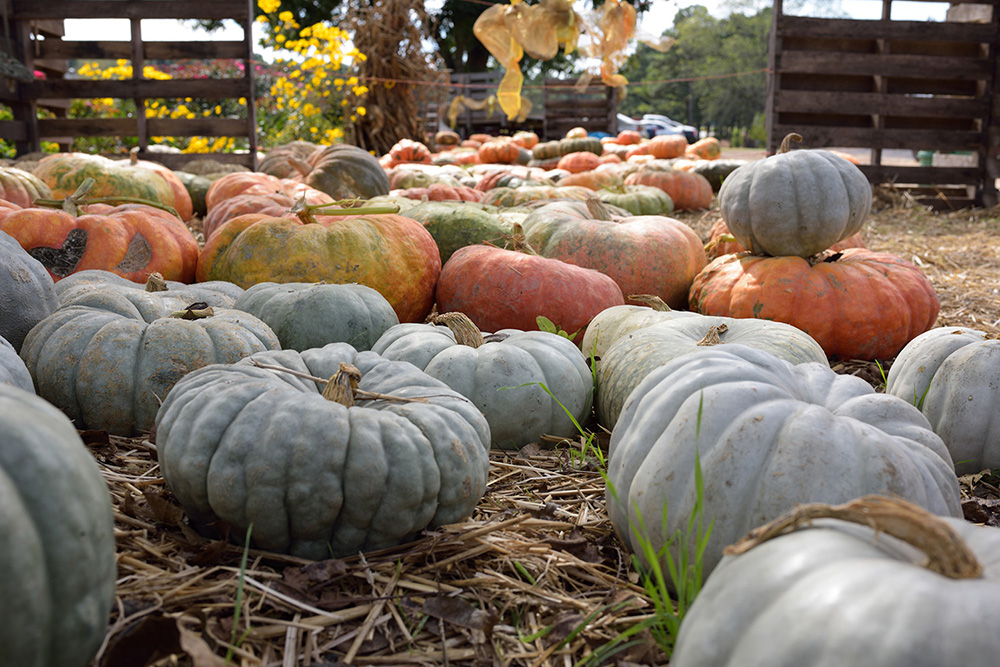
(535, 577)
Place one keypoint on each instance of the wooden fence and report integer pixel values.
(884, 84)
(25, 97)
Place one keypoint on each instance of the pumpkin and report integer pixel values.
(580, 144)
(510, 178)
(768, 435)
(455, 225)
(721, 242)
(546, 150)
(613, 323)
(308, 315)
(197, 187)
(57, 558)
(502, 374)
(107, 356)
(22, 187)
(342, 171)
(636, 150)
(480, 138)
(182, 203)
(504, 151)
(815, 587)
(708, 148)
(407, 150)
(578, 162)
(64, 173)
(715, 170)
(629, 359)
(628, 137)
(643, 254)
(856, 303)
(689, 191)
(214, 293)
(390, 253)
(273, 204)
(446, 138)
(26, 291)
(319, 478)
(255, 183)
(666, 146)
(277, 162)
(950, 374)
(132, 240)
(637, 199)
(576, 133)
(12, 370)
(441, 192)
(795, 202)
(595, 179)
(525, 139)
(504, 196)
(508, 289)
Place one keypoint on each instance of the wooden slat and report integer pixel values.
(890, 65)
(223, 50)
(27, 10)
(801, 26)
(823, 137)
(157, 127)
(881, 173)
(874, 103)
(13, 130)
(143, 88)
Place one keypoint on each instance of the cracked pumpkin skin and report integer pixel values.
(860, 305)
(390, 253)
(132, 240)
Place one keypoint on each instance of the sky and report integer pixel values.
(655, 21)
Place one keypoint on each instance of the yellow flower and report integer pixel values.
(362, 111)
(269, 6)
(242, 101)
(313, 129)
(279, 38)
(218, 109)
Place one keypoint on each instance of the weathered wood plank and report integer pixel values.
(874, 103)
(28, 10)
(882, 173)
(801, 26)
(890, 65)
(223, 50)
(143, 88)
(826, 136)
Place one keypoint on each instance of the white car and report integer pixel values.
(651, 125)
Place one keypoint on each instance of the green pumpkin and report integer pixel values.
(22, 187)
(580, 145)
(502, 374)
(215, 293)
(769, 435)
(625, 363)
(638, 199)
(903, 589)
(57, 555)
(319, 478)
(343, 171)
(27, 294)
(197, 187)
(65, 172)
(455, 225)
(308, 315)
(110, 354)
(716, 171)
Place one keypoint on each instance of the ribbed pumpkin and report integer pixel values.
(26, 291)
(256, 183)
(525, 139)
(595, 179)
(950, 374)
(618, 321)
(12, 370)
(689, 191)
(277, 162)
(857, 304)
(637, 199)
(22, 187)
(57, 556)
(317, 477)
(182, 200)
(407, 150)
(643, 254)
(708, 148)
(446, 138)
(508, 289)
(576, 133)
(109, 355)
(578, 162)
(502, 374)
(65, 172)
(527, 193)
(795, 202)
(274, 204)
(389, 253)
(721, 242)
(454, 225)
(311, 315)
(342, 171)
(768, 435)
(501, 150)
(628, 137)
(441, 192)
(666, 146)
(132, 240)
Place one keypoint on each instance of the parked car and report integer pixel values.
(651, 125)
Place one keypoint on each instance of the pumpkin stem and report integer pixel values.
(300, 166)
(651, 300)
(343, 387)
(464, 329)
(597, 209)
(307, 212)
(357, 394)
(786, 143)
(517, 242)
(714, 335)
(196, 311)
(79, 198)
(155, 282)
(947, 553)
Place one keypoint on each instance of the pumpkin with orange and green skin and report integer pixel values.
(647, 254)
(256, 183)
(455, 225)
(721, 242)
(857, 304)
(499, 151)
(525, 139)
(595, 179)
(507, 289)
(576, 133)
(22, 187)
(579, 161)
(132, 240)
(343, 171)
(407, 150)
(689, 191)
(389, 253)
(275, 204)
(637, 199)
(666, 146)
(480, 137)
(708, 148)
(441, 192)
(182, 200)
(527, 193)
(65, 172)
(506, 178)
(546, 149)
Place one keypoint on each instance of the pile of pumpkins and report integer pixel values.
(328, 348)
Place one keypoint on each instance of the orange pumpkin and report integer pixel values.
(721, 242)
(499, 151)
(576, 133)
(525, 139)
(446, 138)
(708, 148)
(441, 192)
(628, 137)
(480, 137)
(132, 240)
(688, 190)
(666, 146)
(595, 179)
(578, 162)
(857, 304)
(275, 204)
(182, 199)
(407, 150)
(256, 183)
(610, 158)
(637, 149)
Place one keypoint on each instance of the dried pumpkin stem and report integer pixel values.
(786, 143)
(155, 282)
(307, 212)
(714, 335)
(597, 209)
(343, 386)
(947, 553)
(358, 394)
(196, 311)
(516, 241)
(464, 329)
(651, 300)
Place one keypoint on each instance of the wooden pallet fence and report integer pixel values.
(894, 84)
